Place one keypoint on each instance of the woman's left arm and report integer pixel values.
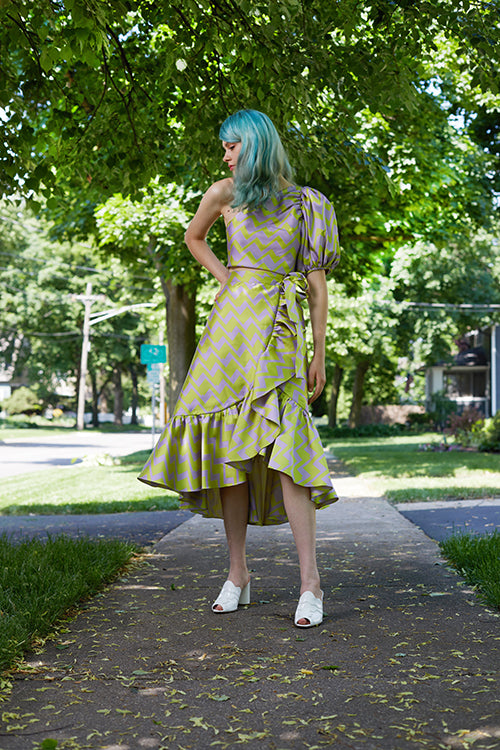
(318, 309)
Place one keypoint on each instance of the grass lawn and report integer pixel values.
(477, 559)
(396, 467)
(40, 581)
(84, 489)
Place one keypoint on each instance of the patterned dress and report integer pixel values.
(242, 413)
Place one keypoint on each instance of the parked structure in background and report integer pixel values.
(472, 379)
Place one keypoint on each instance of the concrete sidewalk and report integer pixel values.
(406, 657)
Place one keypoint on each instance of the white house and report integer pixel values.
(473, 378)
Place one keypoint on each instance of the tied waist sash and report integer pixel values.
(280, 368)
(292, 292)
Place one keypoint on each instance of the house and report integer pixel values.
(472, 379)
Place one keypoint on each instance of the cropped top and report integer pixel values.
(295, 230)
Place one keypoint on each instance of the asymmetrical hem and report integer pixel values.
(242, 414)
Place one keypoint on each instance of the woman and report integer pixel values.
(241, 444)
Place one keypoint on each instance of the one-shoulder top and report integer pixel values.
(295, 230)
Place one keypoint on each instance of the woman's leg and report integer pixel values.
(301, 514)
(235, 510)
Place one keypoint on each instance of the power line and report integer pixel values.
(71, 334)
(450, 305)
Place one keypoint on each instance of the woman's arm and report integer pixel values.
(318, 309)
(211, 206)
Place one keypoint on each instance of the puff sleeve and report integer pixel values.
(319, 238)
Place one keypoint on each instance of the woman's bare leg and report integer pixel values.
(235, 510)
(301, 514)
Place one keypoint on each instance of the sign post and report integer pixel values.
(153, 356)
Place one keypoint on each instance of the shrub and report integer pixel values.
(419, 419)
(463, 427)
(22, 401)
(487, 437)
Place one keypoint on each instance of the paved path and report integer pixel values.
(407, 657)
(440, 519)
(22, 455)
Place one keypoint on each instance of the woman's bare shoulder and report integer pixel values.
(221, 191)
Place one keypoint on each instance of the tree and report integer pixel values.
(102, 97)
(436, 281)
(41, 317)
(360, 334)
(107, 95)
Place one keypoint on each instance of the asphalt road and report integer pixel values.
(23, 455)
(441, 519)
(142, 528)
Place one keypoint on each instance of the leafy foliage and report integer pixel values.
(110, 94)
(41, 313)
(451, 287)
(22, 401)
(488, 436)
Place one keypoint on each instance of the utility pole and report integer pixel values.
(87, 300)
(89, 320)
(162, 386)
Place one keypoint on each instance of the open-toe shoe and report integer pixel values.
(309, 608)
(230, 596)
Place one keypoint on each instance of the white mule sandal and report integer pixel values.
(310, 608)
(230, 596)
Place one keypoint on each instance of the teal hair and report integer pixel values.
(262, 158)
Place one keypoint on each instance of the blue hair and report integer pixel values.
(262, 159)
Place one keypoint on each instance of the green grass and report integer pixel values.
(396, 467)
(40, 581)
(85, 489)
(477, 559)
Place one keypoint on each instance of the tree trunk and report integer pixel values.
(334, 395)
(135, 394)
(357, 392)
(118, 396)
(181, 328)
(181, 336)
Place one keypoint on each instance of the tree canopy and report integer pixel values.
(390, 107)
(107, 95)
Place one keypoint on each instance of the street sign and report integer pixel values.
(153, 377)
(151, 353)
(154, 366)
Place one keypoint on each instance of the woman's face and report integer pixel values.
(231, 154)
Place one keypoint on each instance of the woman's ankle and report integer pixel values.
(239, 576)
(311, 584)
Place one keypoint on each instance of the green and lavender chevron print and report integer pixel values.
(242, 413)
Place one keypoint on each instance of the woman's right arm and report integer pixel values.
(215, 199)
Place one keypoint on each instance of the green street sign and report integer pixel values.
(151, 353)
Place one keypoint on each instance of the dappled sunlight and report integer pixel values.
(130, 586)
(464, 738)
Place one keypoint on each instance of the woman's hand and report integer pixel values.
(223, 285)
(316, 377)
(318, 308)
